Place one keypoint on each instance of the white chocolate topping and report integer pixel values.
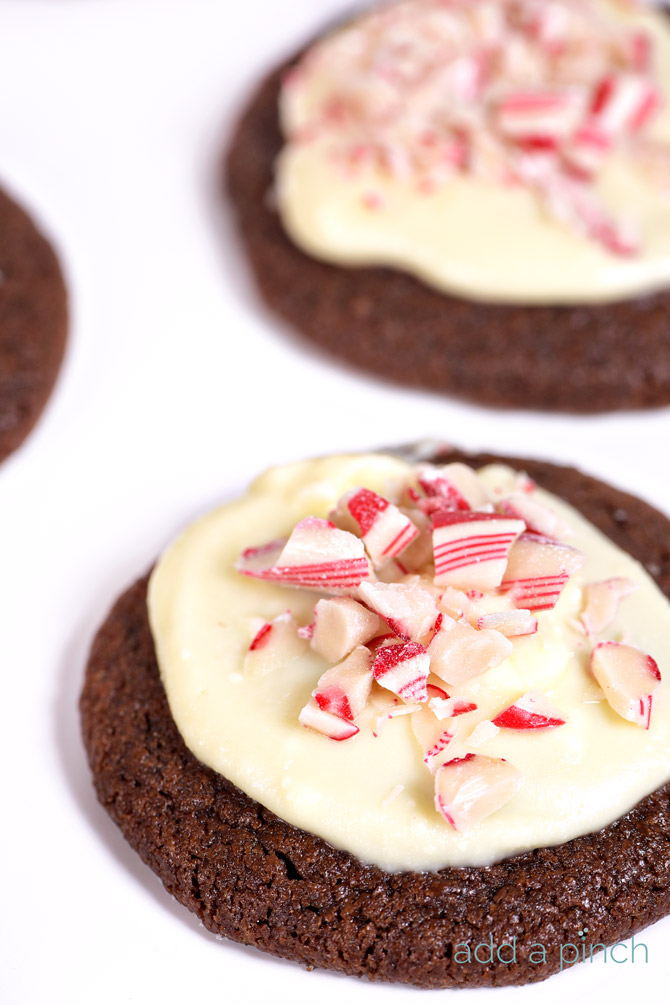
(390, 182)
(372, 794)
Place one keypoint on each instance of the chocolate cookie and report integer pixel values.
(256, 879)
(33, 323)
(560, 358)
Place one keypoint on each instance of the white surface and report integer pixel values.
(176, 390)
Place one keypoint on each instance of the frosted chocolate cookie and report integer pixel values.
(33, 323)
(472, 198)
(405, 722)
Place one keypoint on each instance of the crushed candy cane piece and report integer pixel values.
(602, 601)
(459, 652)
(471, 549)
(403, 669)
(317, 556)
(628, 678)
(537, 570)
(276, 644)
(471, 788)
(344, 689)
(384, 529)
(433, 736)
(511, 624)
(330, 725)
(408, 609)
(341, 624)
(532, 711)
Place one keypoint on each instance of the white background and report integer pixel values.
(177, 389)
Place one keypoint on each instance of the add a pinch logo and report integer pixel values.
(582, 950)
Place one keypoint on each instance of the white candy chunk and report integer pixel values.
(403, 669)
(275, 644)
(312, 717)
(602, 601)
(532, 711)
(455, 485)
(317, 556)
(385, 530)
(538, 519)
(459, 652)
(471, 788)
(433, 736)
(511, 624)
(537, 570)
(341, 624)
(471, 549)
(407, 608)
(628, 678)
(344, 689)
(482, 733)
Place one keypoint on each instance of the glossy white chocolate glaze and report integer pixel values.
(576, 778)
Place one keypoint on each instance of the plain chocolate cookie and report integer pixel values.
(575, 359)
(254, 878)
(33, 323)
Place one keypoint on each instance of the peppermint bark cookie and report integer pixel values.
(33, 323)
(417, 685)
(471, 199)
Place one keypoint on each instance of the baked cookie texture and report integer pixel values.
(33, 323)
(585, 359)
(256, 879)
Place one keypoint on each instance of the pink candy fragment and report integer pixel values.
(471, 788)
(537, 570)
(403, 669)
(317, 556)
(471, 549)
(459, 652)
(340, 624)
(385, 530)
(344, 689)
(628, 678)
(409, 610)
(532, 711)
(602, 602)
(331, 725)
(511, 624)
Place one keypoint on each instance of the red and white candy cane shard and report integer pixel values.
(341, 624)
(628, 678)
(344, 689)
(511, 624)
(602, 601)
(331, 725)
(433, 736)
(408, 609)
(538, 519)
(403, 669)
(537, 570)
(549, 116)
(317, 556)
(459, 652)
(450, 708)
(456, 486)
(385, 531)
(624, 102)
(471, 549)
(469, 789)
(532, 711)
(274, 644)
